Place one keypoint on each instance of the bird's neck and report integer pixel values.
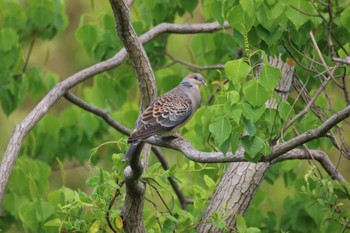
(187, 84)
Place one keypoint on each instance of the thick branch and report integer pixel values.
(135, 51)
(217, 157)
(310, 135)
(135, 189)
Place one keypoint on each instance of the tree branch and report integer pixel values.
(195, 155)
(318, 155)
(184, 201)
(309, 135)
(97, 111)
(22, 129)
(132, 210)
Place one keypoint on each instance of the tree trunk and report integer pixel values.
(234, 193)
(133, 208)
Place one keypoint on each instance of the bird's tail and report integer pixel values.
(134, 148)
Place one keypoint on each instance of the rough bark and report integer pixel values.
(135, 189)
(234, 193)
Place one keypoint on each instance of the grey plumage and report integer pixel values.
(169, 111)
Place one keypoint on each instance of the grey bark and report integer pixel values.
(135, 189)
(234, 193)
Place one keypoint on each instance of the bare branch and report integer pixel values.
(97, 111)
(193, 66)
(320, 156)
(341, 60)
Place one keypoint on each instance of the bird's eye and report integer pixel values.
(195, 77)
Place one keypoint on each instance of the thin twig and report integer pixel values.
(111, 203)
(193, 66)
(308, 153)
(184, 201)
(217, 89)
(304, 12)
(28, 54)
(97, 111)
(307, 107)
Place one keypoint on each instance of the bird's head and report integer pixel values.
(195, 79)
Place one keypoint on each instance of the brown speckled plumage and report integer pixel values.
(170, 111)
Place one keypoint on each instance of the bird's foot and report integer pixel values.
(173, 138)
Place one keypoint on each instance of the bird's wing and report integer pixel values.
(167, 112)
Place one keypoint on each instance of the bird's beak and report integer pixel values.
(204, 83)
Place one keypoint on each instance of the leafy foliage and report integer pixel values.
(238, 115)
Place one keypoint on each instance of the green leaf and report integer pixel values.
(240, 20)
(342, 189)
(248, 7)
(345, 18)
(248, 112)
(8, 39)
(188, 5)
(92, 181)
(44, 210)
(90, 124)
(233, 111)
(168, 226)
(252, 146)
(56, 222)
(255, 93)
(87, 36)
(28, 216)
(237, 70)
(270, 18)
(253, 230)
(233, 97)
(215, 8)
(295, 16)
(221, 128)
(235, 137)
(217, 220)
(269, 77)
(209, 181)
(259, 112)
(251, 129)
(285, 110)
(41, 16)
(240, 224)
